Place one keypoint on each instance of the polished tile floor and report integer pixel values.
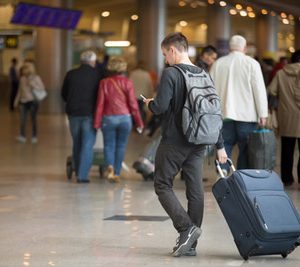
(46, 220)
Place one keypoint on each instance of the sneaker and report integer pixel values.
(186, 240)
(34, 140)
(192, 251)
(21, 139)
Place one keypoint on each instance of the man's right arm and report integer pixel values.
(164, 95)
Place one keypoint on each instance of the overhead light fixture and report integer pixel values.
(117, 43)
(285, 21)
(249, 9)
(183, 23)
(238, 6)
(182, 3)
(283, 15)
(211, 2)
(134, 17)
(251, 15)
(264, 11)
(223, 3)
(232, 12)
(243, 13)
(105, 14)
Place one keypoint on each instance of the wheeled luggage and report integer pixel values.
(98, 157)
(260, 215)
(262, 149)
(145, 163)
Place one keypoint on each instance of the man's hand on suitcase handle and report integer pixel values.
(222, 155)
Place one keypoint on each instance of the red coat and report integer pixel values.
(116, 96)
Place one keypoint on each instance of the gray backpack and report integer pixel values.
(201, 115)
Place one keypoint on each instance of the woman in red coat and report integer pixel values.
(116, 106)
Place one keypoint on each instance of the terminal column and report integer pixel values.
(53, 49)
(150, 33)
(266, 35)
(219, 28)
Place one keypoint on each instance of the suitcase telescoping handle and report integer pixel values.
(229, 161)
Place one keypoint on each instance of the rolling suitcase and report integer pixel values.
(260, 215)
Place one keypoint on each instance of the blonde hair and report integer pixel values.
(30, 66)
(117, 64)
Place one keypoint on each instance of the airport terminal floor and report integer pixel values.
(46, 220)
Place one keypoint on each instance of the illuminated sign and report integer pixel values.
(11, 41)
(37, 15)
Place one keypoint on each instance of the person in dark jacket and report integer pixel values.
(207, 57)
(116, 106)
(14, 80)
(79, 91)
(175, 153)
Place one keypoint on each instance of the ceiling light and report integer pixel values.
(238, 6)
(283, 15)
(232, 12)
(105, 14)
(223, 3)
(273, 13)
(211, 2)
(194, 4)
(292, 49)
(285, 21)
(134, 17)
(182, 3)
(203, 26)
(183, 23)
(249, 8)
(117, 43)
(264, 11)
(251, 15)
(243, 13)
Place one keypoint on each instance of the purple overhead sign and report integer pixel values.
(45, 16)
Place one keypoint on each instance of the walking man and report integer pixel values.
(175, 153)
(239, 82)
(79, 91)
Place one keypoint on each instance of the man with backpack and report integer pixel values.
(183, 142)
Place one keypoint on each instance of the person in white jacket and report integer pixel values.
(239, 82)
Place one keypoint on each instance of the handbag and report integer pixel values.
(38, 89)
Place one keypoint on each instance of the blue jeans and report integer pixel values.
(32, 108)
(84, 137)
(237, 132)
(116, 130)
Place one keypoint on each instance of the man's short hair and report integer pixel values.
(176, 39)
(88, 57)
(237, 42)
(295, 57)
(209, 50)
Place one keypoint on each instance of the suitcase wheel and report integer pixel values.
(101, 171)
(69, 168)
(246, 257)
(284, 255)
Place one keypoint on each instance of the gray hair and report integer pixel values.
(237, 42)
(87, 57)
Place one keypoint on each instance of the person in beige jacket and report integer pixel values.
(286, 87)
(27, 101)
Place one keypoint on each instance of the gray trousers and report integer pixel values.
(169, 161)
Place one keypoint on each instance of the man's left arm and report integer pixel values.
(259, 93)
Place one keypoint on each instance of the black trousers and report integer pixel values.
(169, 161)
(287, 159)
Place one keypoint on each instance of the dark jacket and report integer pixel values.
(169, 102)
(116, 96)
(79, 90)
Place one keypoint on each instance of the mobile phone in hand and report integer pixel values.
(144, 98)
